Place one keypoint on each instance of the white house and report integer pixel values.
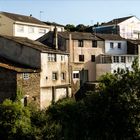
(111, 63)
(126, 27)
(115, 55)
(24, 26)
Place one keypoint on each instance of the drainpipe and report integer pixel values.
(69, 59)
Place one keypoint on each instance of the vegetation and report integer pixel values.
(110, 113)
(78, 28)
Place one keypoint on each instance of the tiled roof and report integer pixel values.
(53, 23)
(8, 64)
(79, 35)
(110, 36)
(22, 18)
(31, 43)
(116, 21)
(136, 42)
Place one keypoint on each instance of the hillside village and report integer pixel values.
(46, 63)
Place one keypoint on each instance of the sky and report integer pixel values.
(87, 12)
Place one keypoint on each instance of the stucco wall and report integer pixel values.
(87, 50)
(52, 90)
(19, 53)
(128, 27)
(6, 25)
(49, 67)
(102, 69)
(34, 35)
(115, 49)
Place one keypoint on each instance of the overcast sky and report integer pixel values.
(75, 12)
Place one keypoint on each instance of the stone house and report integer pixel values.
(24, 26)
(51, 82)
(84, 49)
(19, 79)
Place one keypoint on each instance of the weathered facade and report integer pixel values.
(84, 49)
(55, 82)
(14, 82)
(45, 86)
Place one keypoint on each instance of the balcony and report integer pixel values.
(110, 63)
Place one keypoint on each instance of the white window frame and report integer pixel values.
(54, 75)
(51, 57)
(30, 29)
(42, 31)
(123, 59)
(26, 76)
(62, 58)
(111, 45)
(116, 59)
(76, 75)
(63, 76)
(20, 28)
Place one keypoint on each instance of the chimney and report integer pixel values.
(55, 38)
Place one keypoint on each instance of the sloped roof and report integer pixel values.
(53, 23)
(8, 64)
(31, 43)
(74, 35)
(79, 35)
(116, 21)
(110, 36)
(136, 42)
(22, 18)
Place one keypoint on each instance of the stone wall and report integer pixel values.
(30, 87)
(7, 84)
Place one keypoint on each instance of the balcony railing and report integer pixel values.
(107, 59)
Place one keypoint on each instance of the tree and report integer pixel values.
(110, 113)
(70, 27)
(14, 121)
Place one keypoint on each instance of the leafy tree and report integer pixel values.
(70, 27)
(14, 121)
(81, 28)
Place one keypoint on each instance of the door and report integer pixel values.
(83, 76)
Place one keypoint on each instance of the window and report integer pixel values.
(20, 28)
(94, 43)
(52, 57)
(25, 76)
(75, 74)
(111, 45)
(62, 76)
(92, 58)
(42, 31)
(119, 45)
(54, 76)
(31, 29)
(81, 57)
(63, 58)
(115, 59)
(129, 59)
(80, 43)
(123, 59)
